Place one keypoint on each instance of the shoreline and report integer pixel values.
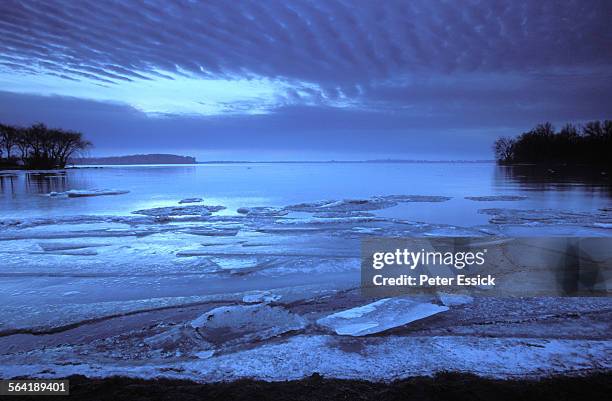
(443, 386)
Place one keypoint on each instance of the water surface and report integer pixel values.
(25, 194)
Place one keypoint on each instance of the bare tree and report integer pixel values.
(40, 146)
(504, 148)
(8, 139)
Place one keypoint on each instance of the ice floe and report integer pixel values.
(493, 198)
(76, 219)
(346, 205)
(549, 216)
(455, 299)
(63, 246)
(262, 211)
(236, 324)
(349, 206)
(260, 297)
(415, 198)
(331, 215)
(379, 316)
(80, 193)
(190, 200)
(68, 252)
(169, 211)
(212, 231)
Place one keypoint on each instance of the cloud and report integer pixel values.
(320, 50)
(294, 72)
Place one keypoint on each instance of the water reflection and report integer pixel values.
(8, 182)
(555, 178)
(263, 184)
(24, 183)
(43, 183)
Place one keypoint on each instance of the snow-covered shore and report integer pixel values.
(119, 295)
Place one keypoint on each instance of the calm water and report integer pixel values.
(273, 184)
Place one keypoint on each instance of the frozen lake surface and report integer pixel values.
(210, 272)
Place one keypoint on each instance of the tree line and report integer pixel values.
(590, 143)
(38, 146)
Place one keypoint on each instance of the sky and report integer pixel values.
(304, 80)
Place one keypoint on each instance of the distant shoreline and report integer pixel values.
(341, 161)
(139, 159)
(218, 162)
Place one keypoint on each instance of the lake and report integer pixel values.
(234, 185)
(118, 292)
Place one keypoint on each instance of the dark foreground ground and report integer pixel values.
(448, 386)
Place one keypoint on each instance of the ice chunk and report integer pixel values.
(455, 299)
(212, 232)
(549, 216)
(190, 200)
(64, 246)
(178, 340)
(346, 205)
(68, 252)
(262, 211)
(496, 198)
(199, 210)
(362, 205)
(234, 263)
(80, 193)
(204, 354)
(452, 231)
(260, 297)
(246, 323)
(379, 316)
(77, 219)
(333, 215)
(416, 198)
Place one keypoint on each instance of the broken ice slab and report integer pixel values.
(77, 219)
(599, 218)
(455, 299)
(237, 324)
(64, 246)
(11, 236)
(212, 232)
(262, 211)
(379, 316)
(67, 252)
(169, 211)
(234, 263)
(256, 297)
(416, 198)
(80, 193)
(181, 339)
(346, 205)
(190, 200)
(333, 215)
(492, 198)
(361, 205)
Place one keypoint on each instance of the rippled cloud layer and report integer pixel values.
(437, 59)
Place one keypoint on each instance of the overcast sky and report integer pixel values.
(280, 80)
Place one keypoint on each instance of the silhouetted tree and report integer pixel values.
(503, 148)
(42, 147)
(8, 139)
(591, 144)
